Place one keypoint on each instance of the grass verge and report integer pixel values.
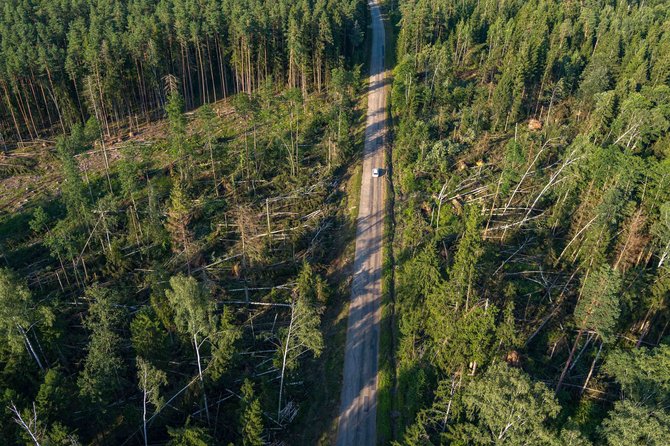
(387, 380)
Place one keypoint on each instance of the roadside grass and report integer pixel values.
(386, 379)
(354, 191)
(386, 383)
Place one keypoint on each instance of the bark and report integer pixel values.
(569, 361)
(144, 408)
(593, 365)
(202, 380)
(283, 365)
(29, 347)
(27, 427)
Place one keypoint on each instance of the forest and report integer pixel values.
(529, 265)
(177, 183)
(179, 187)
(66, 60)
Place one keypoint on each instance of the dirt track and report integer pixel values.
(357, 420)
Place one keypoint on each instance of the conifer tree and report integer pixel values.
(102, 376)
(251, 417)
(597, 309)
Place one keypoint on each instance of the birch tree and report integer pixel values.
(195, 317)
(20, 315)
(302, 334)
(506, 407)
(150, 380)
(642, 373)
(634, 423)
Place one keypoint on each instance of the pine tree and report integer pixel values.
(74, 191)
(178, 219)
(101, 380)
(251, 417)
(598, 309)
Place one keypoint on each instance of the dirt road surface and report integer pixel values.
(357, 419)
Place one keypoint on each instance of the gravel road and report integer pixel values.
(357, 420)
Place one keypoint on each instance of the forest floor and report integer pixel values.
(36, 175)
(42, 179)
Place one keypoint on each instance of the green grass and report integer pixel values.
(387, 378)
(354, 194)
(386, 382)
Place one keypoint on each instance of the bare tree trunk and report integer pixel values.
(267, 216)
(211, 159)
(202, 381)
(645, 326)
(569, 361)
(593, 365)
(20, 421)
(11, 111)
(283, 365)
(144, 407)
(29, 347)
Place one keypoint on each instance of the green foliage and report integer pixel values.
(598, 308)
(179, 217)
(195, 317)
(462, 276)
(189, 436)
(306, 312)
(149, 338)
(102, 376)
(129, 172)
(74, 192)
(53, 398)
(193, 307)
(311, 286)
(150, 381)
(531, 172)
(251, 417)
(506, 407)
(19, 313)
(633, 423)
(65, 61)
(92, 129)
(124, 203)
(644, 374)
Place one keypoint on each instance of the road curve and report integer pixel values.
(357, 419)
